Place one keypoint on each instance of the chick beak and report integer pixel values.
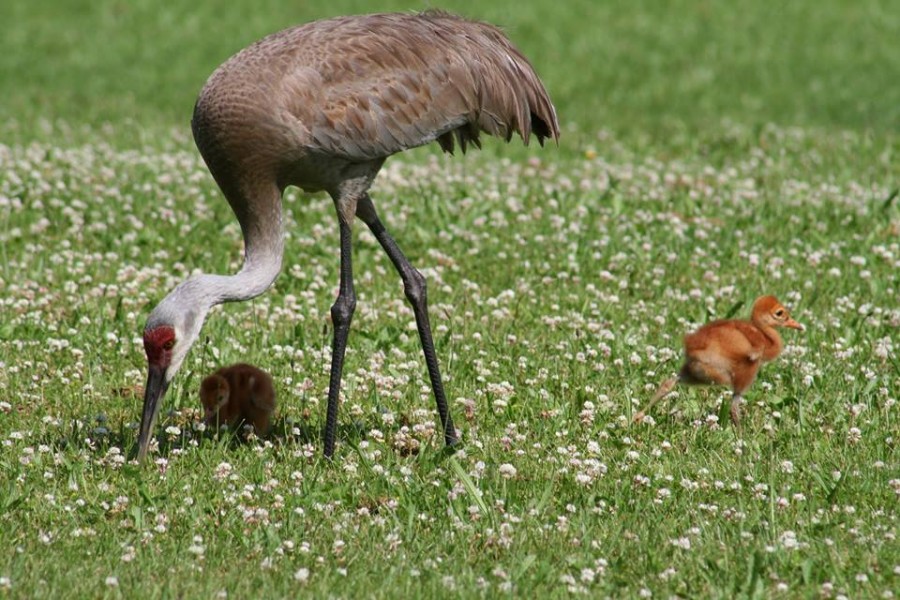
(794, 325)
(153, 393)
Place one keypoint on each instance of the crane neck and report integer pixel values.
(251, 281)
(261, 225)
(259, 214)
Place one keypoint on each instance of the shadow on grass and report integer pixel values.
(182, 430)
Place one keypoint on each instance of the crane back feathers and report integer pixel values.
(363, 88)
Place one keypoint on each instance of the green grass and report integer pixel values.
(709, 155)
(643, 68)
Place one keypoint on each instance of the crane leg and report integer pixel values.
(341, 315)
(415, 289)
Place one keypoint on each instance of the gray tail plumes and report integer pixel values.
(509, 97)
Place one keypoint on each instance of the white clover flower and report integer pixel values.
(507, 471)
(683, 542)
(789, 541)
(223, 470)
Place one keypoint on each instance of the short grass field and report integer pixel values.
(711, 152)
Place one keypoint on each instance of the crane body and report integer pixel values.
(321, 106)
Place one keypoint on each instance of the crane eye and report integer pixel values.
(169, 345)
(779, 313)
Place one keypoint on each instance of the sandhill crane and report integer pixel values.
(239, 393)
(730, 352)
(321, 106)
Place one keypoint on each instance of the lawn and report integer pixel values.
(710, 153)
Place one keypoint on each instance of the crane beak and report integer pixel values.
(153, 393)
(794, 325)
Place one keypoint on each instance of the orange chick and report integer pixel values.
(730, 352)
(239, 393)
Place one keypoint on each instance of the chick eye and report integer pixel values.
(169, 345)
(779, 313)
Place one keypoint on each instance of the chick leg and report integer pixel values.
(741, 380)
(736, 410)
(667, 386)
(260, 419)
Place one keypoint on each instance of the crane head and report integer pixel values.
(169, 334)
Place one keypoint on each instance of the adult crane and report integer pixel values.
(321, 106)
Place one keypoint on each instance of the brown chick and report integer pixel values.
(730, 352)
(239, 393)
